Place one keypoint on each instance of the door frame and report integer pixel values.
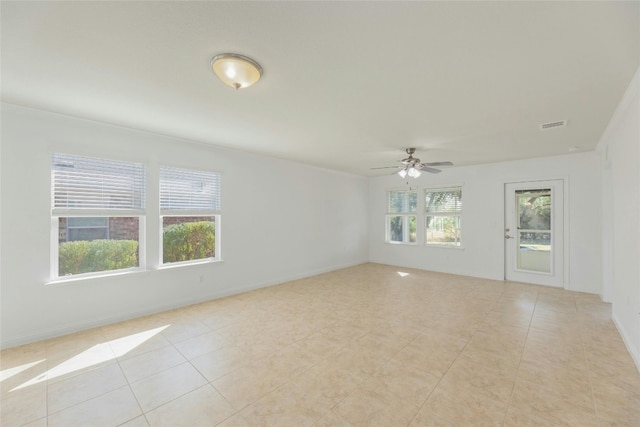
(566, 284)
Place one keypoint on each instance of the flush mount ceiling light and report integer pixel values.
(235, 70)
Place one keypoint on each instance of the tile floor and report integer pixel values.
(364, 346)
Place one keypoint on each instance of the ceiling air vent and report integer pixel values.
(552, 125)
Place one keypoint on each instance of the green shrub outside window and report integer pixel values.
(188, 241)
(84, 256)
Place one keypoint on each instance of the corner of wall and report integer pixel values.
(634, 352)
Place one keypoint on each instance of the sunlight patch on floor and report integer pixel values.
(95, 355)
(5, 374)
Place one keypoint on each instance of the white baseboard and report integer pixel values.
(634, 352)
(94, 323)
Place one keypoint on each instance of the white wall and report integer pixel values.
(483, 218)
(280, 221)
(620, 151)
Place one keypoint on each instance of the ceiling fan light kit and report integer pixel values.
(409, 171)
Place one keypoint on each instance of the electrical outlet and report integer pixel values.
(201, 278)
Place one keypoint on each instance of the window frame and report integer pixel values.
(457, 215)
(405, 215)
(57, 212)
(191, 212)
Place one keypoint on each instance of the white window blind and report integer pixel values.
(443, 200)
(79, 182)
(189, 190)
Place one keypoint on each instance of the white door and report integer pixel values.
(534, 232)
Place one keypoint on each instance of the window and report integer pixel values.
(401, 217)
(443, 209)
(190, 215)
(85, 228)
(97, 209)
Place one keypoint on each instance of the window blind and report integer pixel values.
(186, 189)
(79, 182)
(443, 200)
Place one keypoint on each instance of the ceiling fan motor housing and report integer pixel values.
(410, 160)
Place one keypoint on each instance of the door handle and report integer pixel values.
(506, 236)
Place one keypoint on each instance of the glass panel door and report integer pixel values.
(534, 230)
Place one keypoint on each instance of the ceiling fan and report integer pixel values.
(413, 167)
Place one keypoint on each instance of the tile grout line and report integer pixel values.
(370, 376)
(171, 344)
(363, 381)
(521, 356)
(92, 369)
(443, 375)
(589, 373)
(46, 392)
(132, 393)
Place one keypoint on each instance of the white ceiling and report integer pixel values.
(346, 85)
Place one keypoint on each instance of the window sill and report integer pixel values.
(67, 280)
(460, 248)
(189, 263)
(402, 243)
(71, 279)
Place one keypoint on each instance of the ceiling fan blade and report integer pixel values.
(439, 164)
(428, 169)
(387, 167)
